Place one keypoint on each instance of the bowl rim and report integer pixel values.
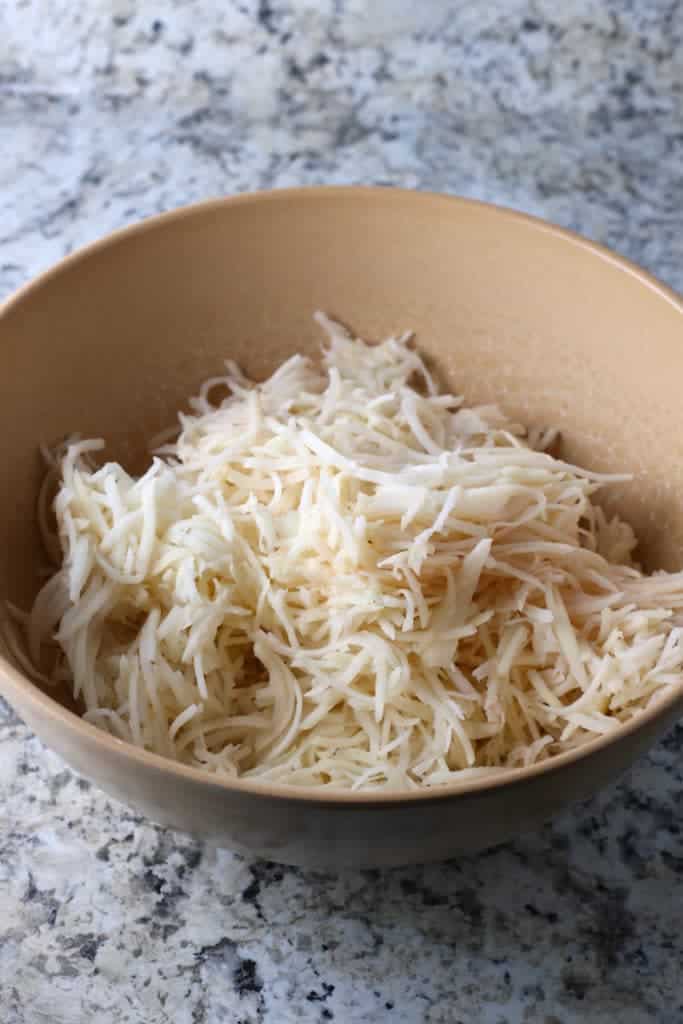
(14, 683)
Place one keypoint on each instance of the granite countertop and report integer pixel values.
(112, 110)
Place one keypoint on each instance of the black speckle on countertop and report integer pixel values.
(246, 977)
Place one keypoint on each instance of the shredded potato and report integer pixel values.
(340, 577)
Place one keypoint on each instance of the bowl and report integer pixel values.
(559, 331)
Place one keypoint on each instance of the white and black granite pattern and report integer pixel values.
(112, 110)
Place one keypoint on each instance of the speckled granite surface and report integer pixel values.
(112, 110)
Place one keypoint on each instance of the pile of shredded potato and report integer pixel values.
(342, 578)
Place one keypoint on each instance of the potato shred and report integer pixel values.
(342, 578)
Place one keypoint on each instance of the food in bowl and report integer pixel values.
(341, 577)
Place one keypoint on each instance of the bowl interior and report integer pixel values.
(113, 341)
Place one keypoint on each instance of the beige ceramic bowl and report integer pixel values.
(113, 340)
